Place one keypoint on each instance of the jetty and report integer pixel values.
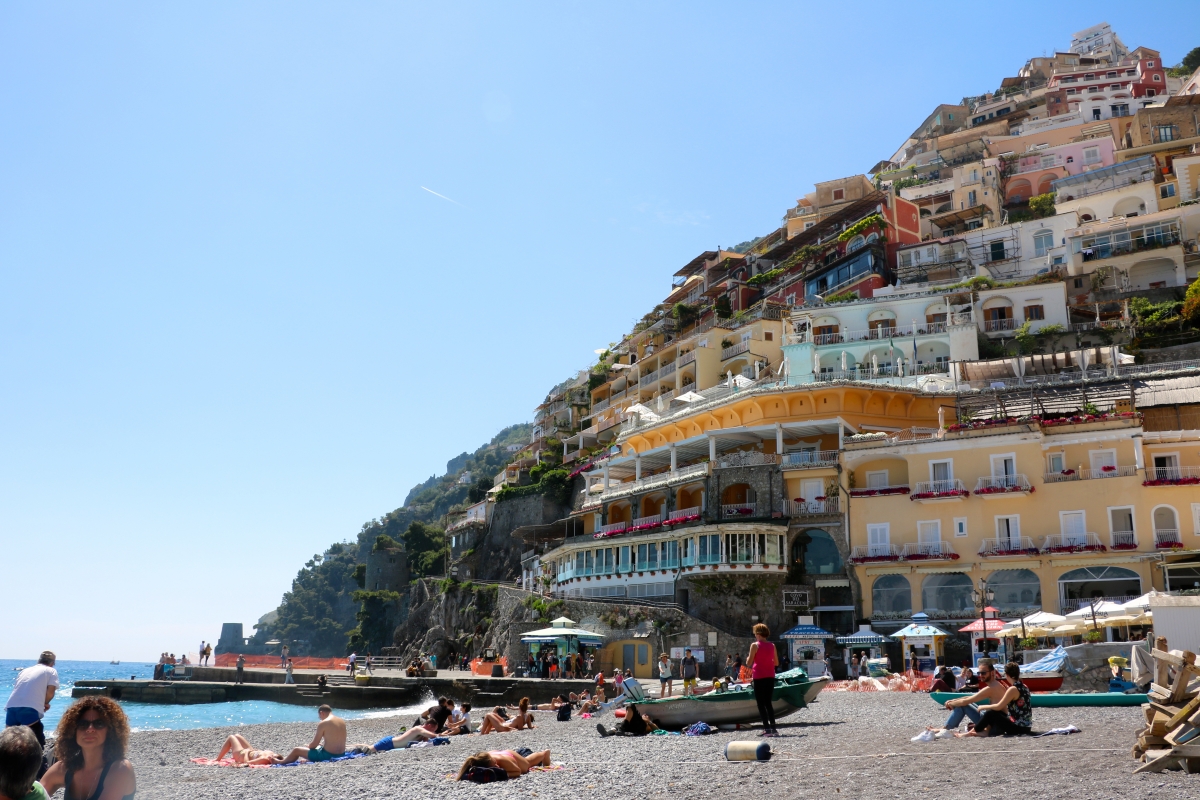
(384, 689)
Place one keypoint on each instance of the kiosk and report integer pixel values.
(985, 639)
(865, 644)
(923, 644)
(807, 646)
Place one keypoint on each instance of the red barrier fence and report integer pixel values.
(299, 662)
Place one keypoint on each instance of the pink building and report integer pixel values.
(1035, 171)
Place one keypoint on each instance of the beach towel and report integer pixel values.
(345, 757)
(1067, 731)
(224, 762)
(698, 729)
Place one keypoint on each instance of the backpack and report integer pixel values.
(564, 712)
(486, 774)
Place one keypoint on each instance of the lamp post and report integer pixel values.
(983, 597)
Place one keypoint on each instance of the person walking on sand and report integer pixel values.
(329, 741)
(241, 669)
(763, 659)
(689, 671)
(665, 682)
(31, 696)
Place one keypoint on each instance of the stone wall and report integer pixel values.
(735, 602)
(766, 481)
(1180, 352)
(497, 555)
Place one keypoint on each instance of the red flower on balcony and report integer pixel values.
(1108, 468)
(1169, 545)
(820, 498)
(869, 559)
(879, 492)
(1076, 548)
(1067, 472)
(1180, 481)
(740, 511)
(1125, 546)
(929, 495)
(798, 500)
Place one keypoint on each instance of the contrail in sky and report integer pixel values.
(431, 191)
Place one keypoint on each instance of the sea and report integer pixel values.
(158, 717)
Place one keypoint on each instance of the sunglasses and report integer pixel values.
(95, 724)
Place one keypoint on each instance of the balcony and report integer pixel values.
(880, 491)
(869, 553)
(810, 459)
(1122, 540)
(928, 551)
(998, 325)
(939, 491)
(735, 510)
(1131, 244)
(746, 458)
(1167, 539)
(878, 334)
(1067, 605)
(1001, 485)
(729, 352)
(1007, 547)
(681, 515)
(614, 528)
(646, 380)
(1172, 476)
(811, 507)
(1073, 543)
(1068, 475)
(598, 407)
(646, 523)
(686, 358)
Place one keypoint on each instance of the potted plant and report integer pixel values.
(1028, 643)
(1093, 637)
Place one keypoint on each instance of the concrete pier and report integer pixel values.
(384, 690)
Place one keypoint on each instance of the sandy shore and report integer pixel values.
(847, 744)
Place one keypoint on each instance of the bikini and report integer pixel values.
(99, 790)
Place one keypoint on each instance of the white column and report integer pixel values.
(778, 439)
(606, 477)
(1139, 457)
(673, 464)
(841, 433)
(637, 468)
(712, 448)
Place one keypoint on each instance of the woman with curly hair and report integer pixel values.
(90, 747)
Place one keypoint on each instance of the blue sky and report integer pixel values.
(233, 327)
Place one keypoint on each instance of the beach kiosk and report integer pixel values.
(867, 644)
(985, 635)
(923, 641)
(806, 646)
(562, 637)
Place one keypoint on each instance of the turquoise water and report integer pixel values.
(152, 716)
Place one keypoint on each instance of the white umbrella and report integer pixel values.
(1104, 608)
(1140, 603)
(1071, 629)
(690, 397)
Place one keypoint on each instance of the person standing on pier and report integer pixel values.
(241, 669)
(31, 696)
(288, 678)
(283, 656)
(350, 664)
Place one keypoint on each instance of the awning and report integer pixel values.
(919, 630)
(807, 632)
(951, 218)
(871, 639)
(993, 625)
(561, 633)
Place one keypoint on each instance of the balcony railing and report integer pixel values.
(880, 491)
(735, 510)
(683, 513)
(739, 348)
(1173, 476)
(686, 358)
(922, 551)
(1167, 538)
(598, 407)
(1134, 245)
(810, 507)
(1123, 540)
(1067, 475)
(646, 380)
(652, 519)
(865, 553)
(614, 527)
(996, 325)
(939, 490)
(1007, 546)
(666, 369)
(876, 334)
(1073, 543)
(810, 459)
(1003, 484)
(688, 471)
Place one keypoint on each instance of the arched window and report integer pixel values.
(947, 592)
(1015, 588)
(856, 243)
(891, 594)
(1165, 519)
(1077, 587)
(814, 549)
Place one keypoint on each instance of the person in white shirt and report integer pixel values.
(460, 720)
(31, 696)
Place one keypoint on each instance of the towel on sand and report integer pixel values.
(224, 762)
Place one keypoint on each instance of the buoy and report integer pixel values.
(747, 751)
(619, 713)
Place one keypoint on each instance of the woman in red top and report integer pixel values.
(763, 660)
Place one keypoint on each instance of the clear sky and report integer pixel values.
(234, 326)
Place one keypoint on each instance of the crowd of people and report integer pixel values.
(549, 666)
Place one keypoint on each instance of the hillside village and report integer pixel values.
(967, 378)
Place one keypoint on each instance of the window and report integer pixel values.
(1078, 281)
(929, 531)
(877, 479)
(1166, 468)
(1165, 133)
(906, 259)
(1196, 518)
(808, 225)
(878, 539)
(790, 299)
(1099, 459)
(960, 527)
(971, 201)
(839, 194)
(1166, 190)
(1150, 65)
(1008, 532)
(1158, 78)
(996, 250)
(1004, 467)
(1073, 525)
(942, 474)
(1055, 463)
(768, 336)
(1034, 313)
(1049, 161)
(1091, 155)
(1043, 241)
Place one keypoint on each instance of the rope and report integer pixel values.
(794, 757)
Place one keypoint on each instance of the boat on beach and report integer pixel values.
(793, 691)
(1057, 700)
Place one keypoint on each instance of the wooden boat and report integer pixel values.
(1056, 700)
(1042, 681)
(793, 691)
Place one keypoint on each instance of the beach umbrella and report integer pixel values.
(1120, 620)
(1069, 629)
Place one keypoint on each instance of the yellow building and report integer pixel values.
(1048, 514)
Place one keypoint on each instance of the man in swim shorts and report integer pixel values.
(329, 741)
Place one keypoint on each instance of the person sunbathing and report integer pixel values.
(523, 719)
(634, 724)
(328, 743)
(494, 723)
(244, 754)
(512, 763)
(400, 741)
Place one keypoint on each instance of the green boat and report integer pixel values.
(1057, 700)
(793, 691)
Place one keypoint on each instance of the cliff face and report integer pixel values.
(497, 556)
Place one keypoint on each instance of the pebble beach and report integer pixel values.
(847, 744)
